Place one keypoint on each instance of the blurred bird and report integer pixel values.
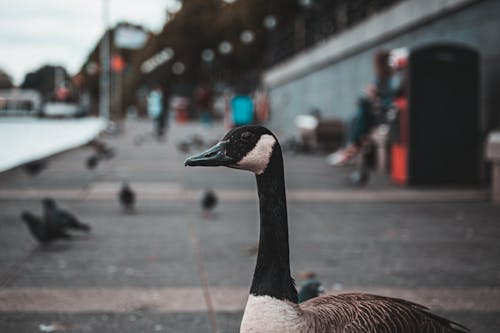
(38, 229)
(35, 167)
(208, 202)
(103, 150)
(106, 152)
(92, 162)
(183, 146)
(197, 141)
(310, 289)
(59, 219)
(126, 196)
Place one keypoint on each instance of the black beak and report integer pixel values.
(215, 156)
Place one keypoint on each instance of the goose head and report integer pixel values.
(247, 148)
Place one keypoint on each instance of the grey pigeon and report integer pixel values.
(126, 196)
(35, 167)
(92, 162)
(310, 289)
(197, 141)
(103, 150)
(183, 146)
(59, 219)
(209, 201)
(38, 229)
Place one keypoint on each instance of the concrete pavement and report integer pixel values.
(167, 269)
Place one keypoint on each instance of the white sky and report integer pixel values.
(63, 32)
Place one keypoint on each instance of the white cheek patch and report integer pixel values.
(258, 158)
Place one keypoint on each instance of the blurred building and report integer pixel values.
(323, 57)
(126, 42)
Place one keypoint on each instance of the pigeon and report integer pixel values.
(59, 219)
(35, 167)
(208, 201)
(126, 196)
(92, 162)
(38, 229)
(103, 150)
(184, 147)
(197, 141)
(310, 289)
(106, 152)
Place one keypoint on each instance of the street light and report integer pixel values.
(208, 55)
(104, 60)
(270, 22)
(247, 36)
(178, 68)
(225, 47)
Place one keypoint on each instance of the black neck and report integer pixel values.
(272, 271)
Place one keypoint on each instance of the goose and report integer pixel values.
(272, 305)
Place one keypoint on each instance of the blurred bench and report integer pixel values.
(330, 134)
(324, 134)
(493, 155)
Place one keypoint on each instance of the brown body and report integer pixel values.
(355, 313)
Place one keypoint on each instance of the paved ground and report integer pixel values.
(167, 269)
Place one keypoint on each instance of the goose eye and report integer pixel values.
(245, 136)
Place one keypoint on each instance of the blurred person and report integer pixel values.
(372, 108)
(157, 110)
(204, 104)
(165, 115)
(227, 119)
(261, 106)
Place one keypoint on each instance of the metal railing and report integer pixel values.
(320, 20)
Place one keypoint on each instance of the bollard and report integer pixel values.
(493, 155)
(380, 137)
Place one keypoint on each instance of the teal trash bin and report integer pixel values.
(242, 110)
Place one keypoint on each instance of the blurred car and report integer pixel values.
(19, 102)
(62, 110)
